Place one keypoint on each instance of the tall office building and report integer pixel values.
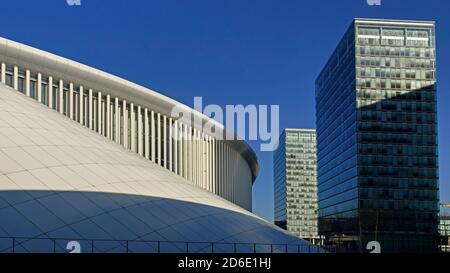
(377, 137)
(296, 184)
(444, 227)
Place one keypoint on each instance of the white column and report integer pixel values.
(193, 156)
(176, 133)
(213, 166)
(187, 149)
(170, 145)
(139, 131)
(159, 138)
(61, 96)
(183, 152)
(146, 135)
(237, 175)
(221, 169)
(225, 170)
(71, 100)
(116, 120)
(108, 116)
(111, 119)
(209, 164)
(206, 162)
(90, 109)
(199, 156)
(124, 119)
(165, 140)
(233, 175)
(200, 160)
(196, 155)
(50, 92)
(236, 171)
(216, 185)
(39, 87)
(132, 128)
(180, 151)
(81, 91)
(16, 77)
(27, 82)
(217, 168)
(3, 76)
(140, 141)
(99, 113)
(228, 172)
(152, 127)
(188, 154)
(233, 172)
(230, 176)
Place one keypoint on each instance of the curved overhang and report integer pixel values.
(46, 63)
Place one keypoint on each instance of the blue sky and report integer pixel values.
(227, 51)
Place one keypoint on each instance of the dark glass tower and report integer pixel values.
(377, 137)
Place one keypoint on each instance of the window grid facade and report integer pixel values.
(444, 226)
(295, 184)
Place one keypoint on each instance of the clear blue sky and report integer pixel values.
(228, 51)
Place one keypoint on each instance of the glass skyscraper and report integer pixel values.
(295, 183)
(444, 232)
(377, 137)
(444, 227)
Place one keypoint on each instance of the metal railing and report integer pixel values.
(387, 246)
(65, 245)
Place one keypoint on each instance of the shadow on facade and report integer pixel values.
(397, 200)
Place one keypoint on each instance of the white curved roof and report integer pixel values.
(60, 180)
(47, 63)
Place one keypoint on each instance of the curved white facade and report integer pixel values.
(135, 117)
(67, 175)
